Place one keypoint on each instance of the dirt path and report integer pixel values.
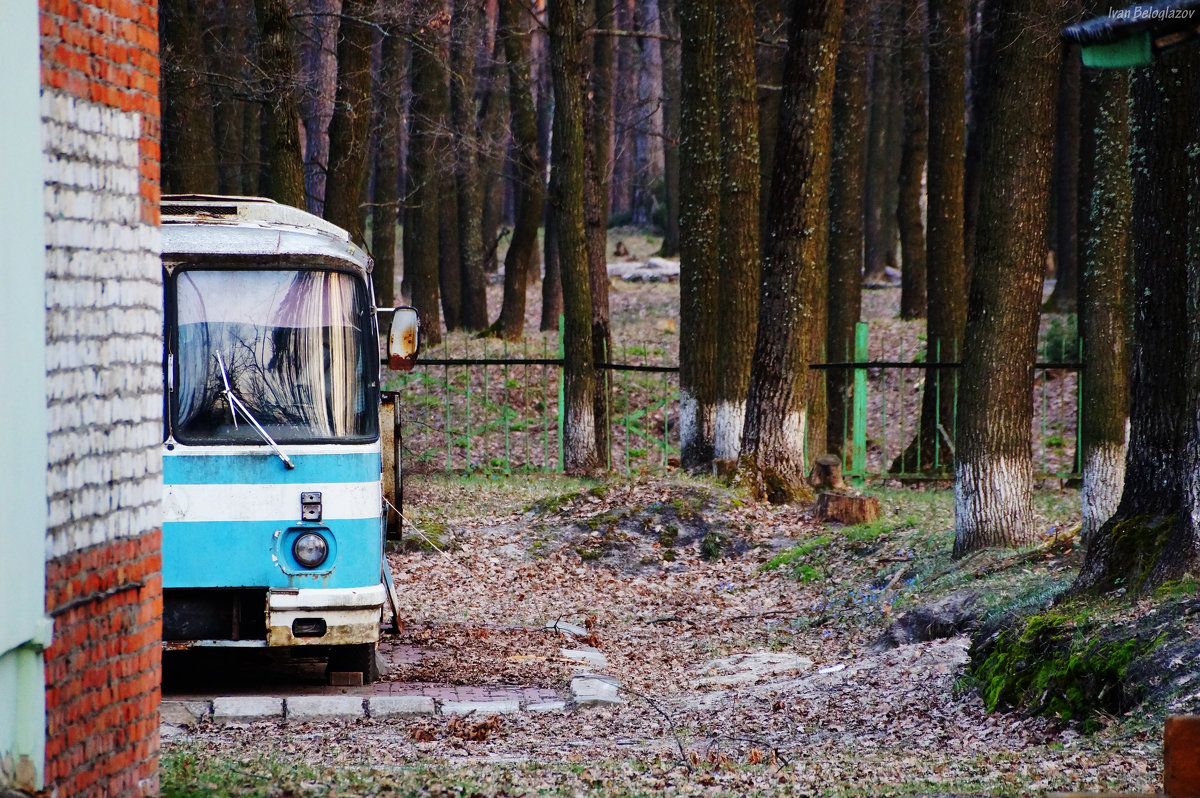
(733, 679)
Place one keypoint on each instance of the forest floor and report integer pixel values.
(747, 665)
(745, 639)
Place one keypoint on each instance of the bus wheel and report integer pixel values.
(355, 659)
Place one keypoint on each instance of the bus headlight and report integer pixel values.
(310, 549)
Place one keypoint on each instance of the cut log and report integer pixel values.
(827, 472)
(845, 509)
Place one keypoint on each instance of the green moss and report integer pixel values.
(1059, 663)
(668, 536)
(795, 553)
(1136, 543)
(711, 545)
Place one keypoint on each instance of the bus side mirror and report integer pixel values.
(404, 339)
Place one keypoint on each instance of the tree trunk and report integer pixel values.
(597, 125)
(227, 44)
(552, 298)
(421, 208)
(985, 21)
(772, 463)
(931, 450)
(348, 128)
(846, 215)
(1063, 299)
(318, 46)
(530, 192)
(671, 92)
(494, 164)
(882, 149)
(1152, 536)
(387, 184)
(189, 155)
(1104, 292)
(466, 26)
(648, 139)
(278, 65)
(552, 288)
(912, 161)
(449, 268)
(626, 112)
(739, 267)
(993, 465)
(566, 200)
(699, 214)
(771, 18)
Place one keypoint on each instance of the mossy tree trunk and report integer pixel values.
(847, 172)
(932, 449)
(566, 205)
(790, 326)
(993, 466)
(1105, 291)
(1152, 537)
(738, 247)
(699, 214)
(386, 204)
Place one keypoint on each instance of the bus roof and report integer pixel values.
(218, 225)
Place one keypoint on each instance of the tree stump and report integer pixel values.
(846, 509)
(827, 472)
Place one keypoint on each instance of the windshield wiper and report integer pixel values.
(236, 405)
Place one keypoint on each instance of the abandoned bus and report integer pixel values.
(273, 506)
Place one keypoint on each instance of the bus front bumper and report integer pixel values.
(324, 616)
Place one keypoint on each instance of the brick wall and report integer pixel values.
(100, 118)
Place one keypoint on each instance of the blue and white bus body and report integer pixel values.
(272, 498)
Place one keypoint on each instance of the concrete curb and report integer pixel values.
(244, 710)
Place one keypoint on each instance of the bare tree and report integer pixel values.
(421, 205)
(1105, 291)
(530, 190)
(946, 272)
(846, 213)
(738, 272)
(566, 207)
(597, 158)
(912, 160)
(699, 213)
(790, 327)
(348, 128)
(278, 63)
(189, 156)
(386, 205)
(993, 458)
(1153, 535)
(671, 91)
(466, 28)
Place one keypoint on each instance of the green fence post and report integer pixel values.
(562, 390)
(858, 456)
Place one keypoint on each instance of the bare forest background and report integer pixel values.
(788, 153)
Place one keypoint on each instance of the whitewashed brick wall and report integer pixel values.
(103, 329)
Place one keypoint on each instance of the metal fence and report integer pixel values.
(478, 404)
(481, 405)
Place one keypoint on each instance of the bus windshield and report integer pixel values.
(292, 346)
